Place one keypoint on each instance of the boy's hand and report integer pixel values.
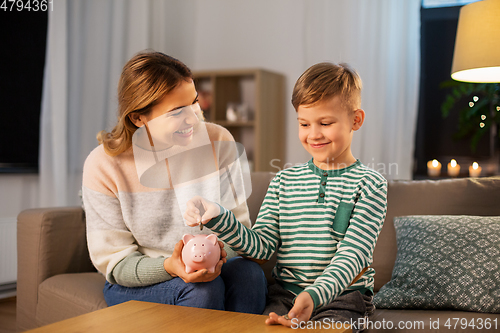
(200, 210)
(176, 268)
(302, 310)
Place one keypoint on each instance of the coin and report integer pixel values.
(201, 226)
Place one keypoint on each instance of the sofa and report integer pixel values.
(56, 279)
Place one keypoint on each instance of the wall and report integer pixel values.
(17, 192)
(266, 34)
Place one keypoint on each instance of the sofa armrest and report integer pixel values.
(50, 241)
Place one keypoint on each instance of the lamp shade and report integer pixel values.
(477, 46)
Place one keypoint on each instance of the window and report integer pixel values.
(435, 134)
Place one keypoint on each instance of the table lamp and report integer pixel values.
(477, 48)
(476, 57)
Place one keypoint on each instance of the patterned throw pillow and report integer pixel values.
(445, 262)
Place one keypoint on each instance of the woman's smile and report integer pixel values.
(187, 132)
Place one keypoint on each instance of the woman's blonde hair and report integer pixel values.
(145, 80)
(326, 80)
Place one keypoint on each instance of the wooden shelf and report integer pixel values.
(261, 94)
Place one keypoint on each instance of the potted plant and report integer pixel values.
(479, 111)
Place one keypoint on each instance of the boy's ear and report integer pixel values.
(136, 119)
(358, 119)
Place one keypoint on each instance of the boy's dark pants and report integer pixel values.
(345, 308)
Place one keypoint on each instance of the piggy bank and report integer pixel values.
(199, 252)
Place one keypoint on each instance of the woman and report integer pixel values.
(133, 198)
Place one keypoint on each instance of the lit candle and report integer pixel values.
(433, 168)
(453, 168)
(475, 170)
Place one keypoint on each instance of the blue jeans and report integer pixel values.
(241, 287)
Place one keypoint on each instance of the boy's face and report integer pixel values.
(326, 129)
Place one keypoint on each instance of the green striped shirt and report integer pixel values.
(324, 225)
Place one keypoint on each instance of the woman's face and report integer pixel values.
(173, 120)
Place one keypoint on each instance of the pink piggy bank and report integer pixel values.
(199, 252)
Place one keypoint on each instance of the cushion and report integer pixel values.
(445, 262)
(69, 295)
(456, 196)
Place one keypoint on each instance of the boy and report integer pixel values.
(323, 217)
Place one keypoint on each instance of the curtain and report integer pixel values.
(90, 41)
(381, 40)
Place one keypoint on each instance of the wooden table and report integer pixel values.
(137, 317)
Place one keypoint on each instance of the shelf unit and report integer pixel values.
(262, 132)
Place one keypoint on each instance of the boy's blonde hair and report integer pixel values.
(327, 80)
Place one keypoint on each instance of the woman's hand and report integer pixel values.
(176, 268)
(200, 210)
(301, 311)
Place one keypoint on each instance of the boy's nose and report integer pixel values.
(315, 133)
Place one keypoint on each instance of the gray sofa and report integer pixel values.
(56, 279)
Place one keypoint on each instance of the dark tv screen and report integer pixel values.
(22, 60)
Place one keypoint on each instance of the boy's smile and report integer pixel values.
(325, 131)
